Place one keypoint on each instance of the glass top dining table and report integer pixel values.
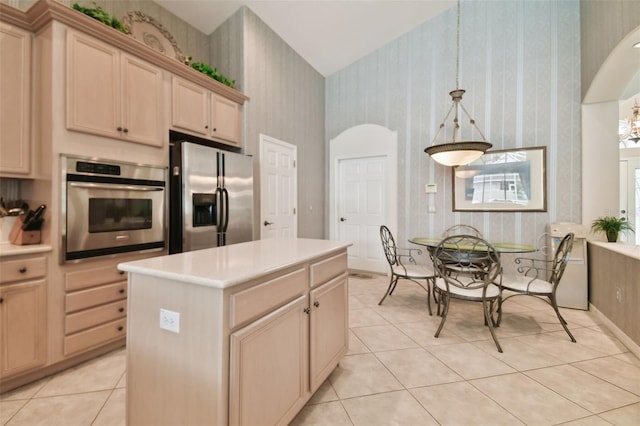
(431, 243)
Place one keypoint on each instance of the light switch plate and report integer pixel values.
(170, 320)
(430, 188)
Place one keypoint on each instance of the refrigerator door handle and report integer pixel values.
(226, 209)
(219, 213)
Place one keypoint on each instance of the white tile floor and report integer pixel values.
(397, 373)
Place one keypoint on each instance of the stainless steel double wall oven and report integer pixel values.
(111, 207)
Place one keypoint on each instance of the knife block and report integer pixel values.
(22, 238)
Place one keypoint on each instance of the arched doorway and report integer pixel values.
(363, 191)
(617, 79)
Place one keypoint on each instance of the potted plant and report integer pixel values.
(611, 226)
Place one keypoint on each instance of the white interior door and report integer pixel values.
(278, 189)
(362, 209)
(363, 176)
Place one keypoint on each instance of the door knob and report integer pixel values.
(342, 219)
(265, 223)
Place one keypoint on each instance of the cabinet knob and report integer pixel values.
(206, 127)
(121, 291)
(316, 303)
(120, 328)
(306, 310)
(119, 128)
(121, 272)
(1, 299)
(125, 130)
(215, 130)
(22, 269)
(120, 309)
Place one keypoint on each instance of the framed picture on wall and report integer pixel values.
(502, 181)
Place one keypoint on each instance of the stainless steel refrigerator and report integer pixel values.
(210, 197)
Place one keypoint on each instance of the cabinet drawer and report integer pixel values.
(329, 268)
(265, 297)
(92, 317)
(93, 277)
(95, 296)
(24, 269)
(95, 336)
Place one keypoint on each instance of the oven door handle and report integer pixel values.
(111, 187)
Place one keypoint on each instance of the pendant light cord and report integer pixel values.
(458, 48)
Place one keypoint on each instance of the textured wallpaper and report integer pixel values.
(286, 101)
(520, 65)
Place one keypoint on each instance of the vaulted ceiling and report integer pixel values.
(329, 35)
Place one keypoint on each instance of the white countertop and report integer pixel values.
(223, 267)
(622, 248)
(8, 249)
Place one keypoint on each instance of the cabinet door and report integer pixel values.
(269, 367)
(15, 69)
(93, 83)
(141, 101)
(225, 119)
(23, 322)
(329, 335)
(190, 107)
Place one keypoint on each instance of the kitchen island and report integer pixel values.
(241, 334)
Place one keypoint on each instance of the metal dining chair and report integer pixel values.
(406, 269)
(540, 278)
(461, 229)
(466, 268)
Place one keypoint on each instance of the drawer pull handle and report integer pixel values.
(316, 303)
(120, 328)
(22, 269)
(121, 291)
(306, 310)
(120, 309)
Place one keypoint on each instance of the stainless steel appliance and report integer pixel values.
(111, 207)
(211, 197)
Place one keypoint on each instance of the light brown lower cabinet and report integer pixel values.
(23, 315)
(250, 354)
(269, 363)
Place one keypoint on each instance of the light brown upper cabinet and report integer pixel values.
(15, 95)
(111, 93)
(203, 113)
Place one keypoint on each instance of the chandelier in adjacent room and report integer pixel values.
(629, 129)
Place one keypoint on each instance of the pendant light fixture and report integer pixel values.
(457, 152)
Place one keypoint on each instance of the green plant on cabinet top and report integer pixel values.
(213, 73)
(611, 226)
(99, 14)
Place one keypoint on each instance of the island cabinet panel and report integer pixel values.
(23, 315)
(15, 100)
(112, 94)
(329, 329)
(176, 378)
(252, 302)
(268, 367)
(250, 348)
